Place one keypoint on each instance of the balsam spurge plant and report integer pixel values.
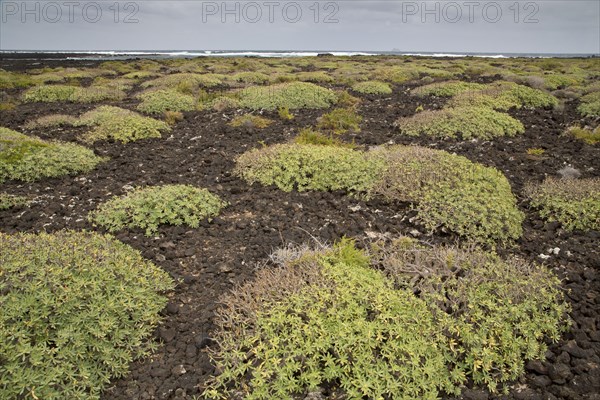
(339, 121)
(27, 158)
(302, 326)
(447, 89)
(116, 123)
(161, 100)
(149, 207)
(77, 308)
(372, 87)
(250, 121)
(427, 321)
(294, 95)
(575, 203)
(309, 167)
(9, 201)
(503, 96)
(75, 94)
(463, 122)
(590, 105)
(495, 314)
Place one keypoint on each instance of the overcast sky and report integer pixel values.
(440, 26)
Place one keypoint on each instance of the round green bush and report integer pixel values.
(159, 101)
(302, 327)
(294, 95)
(77, 308)
(372, 87)
(28, 158)
(447, 89)
(149, 207)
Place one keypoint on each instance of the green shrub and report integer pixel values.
(575, 203)
(294, 95)
(590, 105)
(56, 93)
(495, 314)
(77, 308)
(148, 208)
(173, 117)
(250, 121)
(586, 134)
(447, 89)
(192, 81)
(372, 87)
(452, 192)
(140, 75)
(159, 101)
(285, 114)
(308, 167)
(316, 77)
(222, 103)
(346, 100)
(301, 327)
(310, 136)
(340, 121)
(11, 80)
(120, 124)
(466, 122)
(251, 77)
(28, 158)
(9, 201)
(504, 95)
(557, 81)
(50, 121)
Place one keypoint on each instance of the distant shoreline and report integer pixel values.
(163, 54)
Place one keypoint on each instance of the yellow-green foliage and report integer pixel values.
(309, 167)
(504, 95)
(250, 121)
(159, 101)
(28, 158)
(590, 105)
(495, 314)
(586, 134)
(140, 75)
(316, 77)
(302, 326)
(559, 81)
(310, 136)
(9, 201)
(340, 121)
(294, 95)
(221, 103)
(251, 77)
(55, 93)
(452, 192)
(466, 122)
(183, 80)
(372, 87)
(49, 121)
(10, 80)
(148, 208)
(173, 117)
(446, 89)
(346, 100)
(427, 321)
(77, 308)
(284, 113)
(575, 203)
(120, 124)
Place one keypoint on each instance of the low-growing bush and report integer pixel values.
(10, 80)
(251, 77)
(447, 89)
(586, 134)
(301, 327)
(250, 121)
(50, 121)
(315, 76)
(9, 201)
(221, 103)
(309, 167)
(372, 87)
(495, 314)
(149, 207)
(173, 117)
(452, 192)
(285, 114)
(28, 158)
(464, 122)
(504, 95)
(120, 124)
(590, 105)
(346, 100)
(310, 136)
(77, 309)
(140, 75)
(294, 95)
(185, 80)
(159, 101)
(57, 93)
(575, 203)
(340, 121)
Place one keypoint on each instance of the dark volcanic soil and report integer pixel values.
(208, 261)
